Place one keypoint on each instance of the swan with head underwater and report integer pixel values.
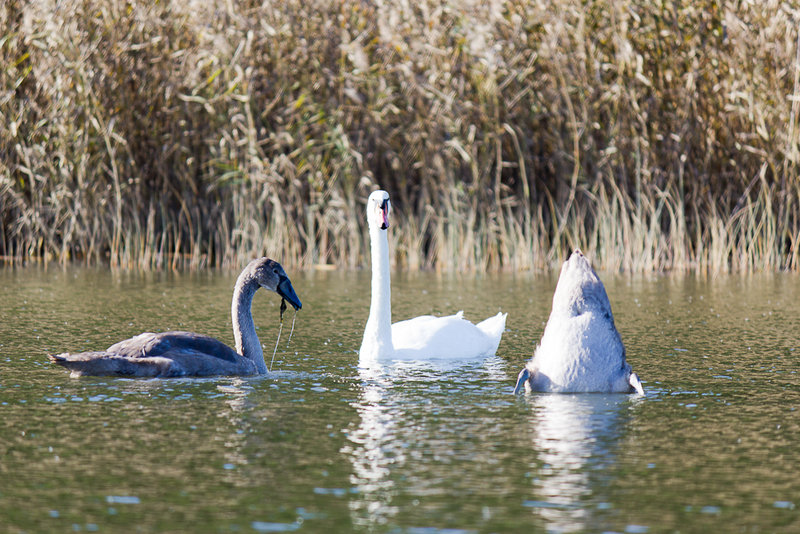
(581, 350)
(421, 338)
(173, 354)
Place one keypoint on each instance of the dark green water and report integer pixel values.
(320, 446)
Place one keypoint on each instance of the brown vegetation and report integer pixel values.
(654, 135)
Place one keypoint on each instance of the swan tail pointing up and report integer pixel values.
(494, 327)
(109, 364)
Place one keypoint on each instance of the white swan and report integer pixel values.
(581, 350)
(169, 354)
(420, 338)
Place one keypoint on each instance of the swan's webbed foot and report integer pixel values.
(635, 383)
(522, 379)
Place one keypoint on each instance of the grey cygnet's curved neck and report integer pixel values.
(244, 330)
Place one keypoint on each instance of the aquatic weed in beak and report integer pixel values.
(283, 308)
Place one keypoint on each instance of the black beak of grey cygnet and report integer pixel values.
(286, 291)
(523, 377)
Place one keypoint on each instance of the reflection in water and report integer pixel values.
(574, 435)
(372, 450)
(237, 392)
(379, 448)
(234, 409)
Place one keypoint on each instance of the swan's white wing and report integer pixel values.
(452, 336)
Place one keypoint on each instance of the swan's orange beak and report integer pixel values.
(385, 214)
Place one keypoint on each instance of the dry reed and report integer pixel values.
(186, 133)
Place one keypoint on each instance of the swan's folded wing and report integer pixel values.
(440, 337)
(420, 332)
(162, 344)
(173, 363)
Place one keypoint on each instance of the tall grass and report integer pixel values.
(655, 135)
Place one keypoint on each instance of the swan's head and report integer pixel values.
(579, 290)
(378, 208)
(270, 275)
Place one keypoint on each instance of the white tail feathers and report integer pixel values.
(494, 328)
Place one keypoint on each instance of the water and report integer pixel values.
(320, 446)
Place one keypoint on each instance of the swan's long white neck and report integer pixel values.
(377, 340)
(244, 330)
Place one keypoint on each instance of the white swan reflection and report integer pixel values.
(573, 436)
(372, 450)
(384, 440)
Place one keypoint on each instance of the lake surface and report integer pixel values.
(319, 445)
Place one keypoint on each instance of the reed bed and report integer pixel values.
(185, 133)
